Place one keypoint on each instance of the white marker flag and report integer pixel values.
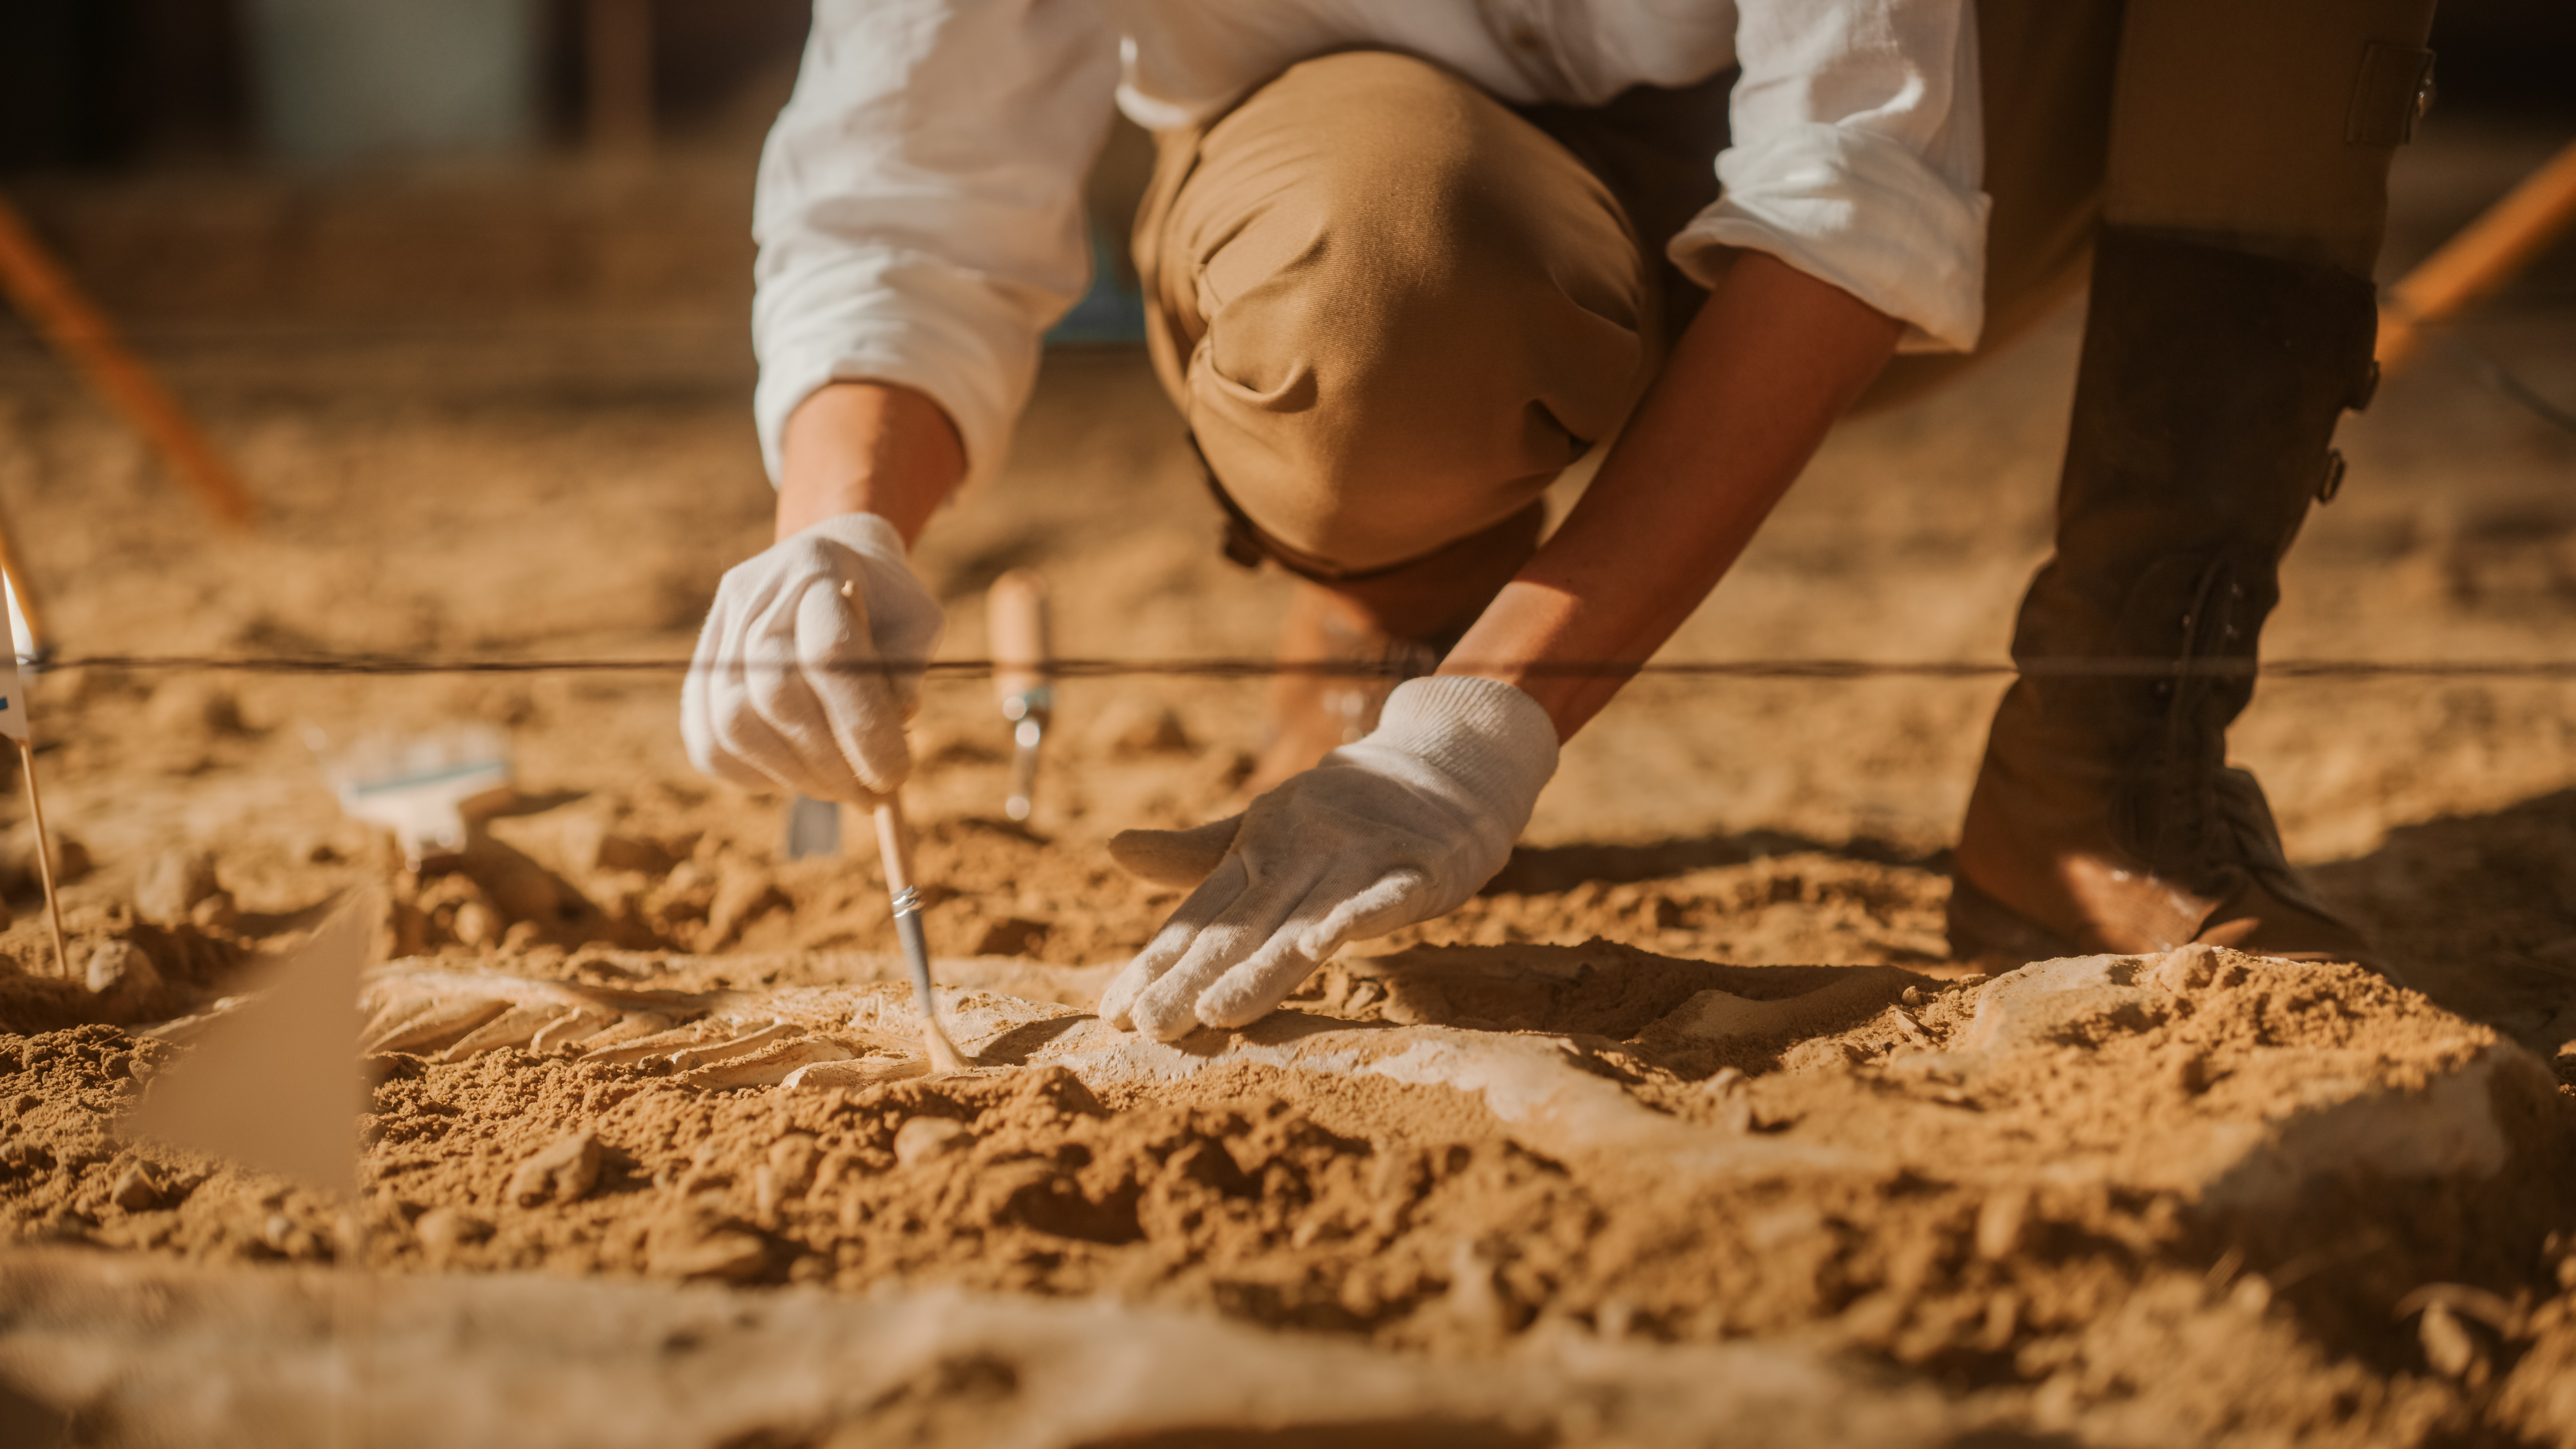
(13, 690)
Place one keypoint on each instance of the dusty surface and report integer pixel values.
(1692, 1083)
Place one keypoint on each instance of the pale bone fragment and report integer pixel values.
(443, 1230)
(514, 1027)
(2448, 1348)
(859, 1072)
(180, 1030)
(633, 1026)
(436, 1027)
(740, 1046)
(636, 1049)
(921, 1138)
(577, 1025)
(768, 1066)
(1906, 1023)
(562, 1173)
(730, 1255)
(2001, 1223)
(394, 1013)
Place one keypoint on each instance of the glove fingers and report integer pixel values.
(1180, 858)
(861, 705)
(1210, 901)
(1337, 910)
(805, 651)
(1395, 901)
(713, 701)
(779, 726)
(1167, 1010)
(1253, 985)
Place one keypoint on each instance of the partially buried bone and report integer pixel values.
(770, 1065)
(580, 1023)
(515, 1027)
(633, 1026)
(859, 1072)
(740, 1046)
(636, 1049)
(442, 1023)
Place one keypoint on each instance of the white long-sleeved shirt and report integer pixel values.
(919, 206)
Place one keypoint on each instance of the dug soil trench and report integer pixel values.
(1687, 1129)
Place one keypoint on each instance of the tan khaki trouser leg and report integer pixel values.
(2266, 126)
(1391, 309)
(2263, 126)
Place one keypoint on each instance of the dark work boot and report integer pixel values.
(2105, 817)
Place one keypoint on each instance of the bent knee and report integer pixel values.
(1409, 309)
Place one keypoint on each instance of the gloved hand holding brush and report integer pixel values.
(789, 687)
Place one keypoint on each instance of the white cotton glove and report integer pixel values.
(784, 692)
(1403, 826)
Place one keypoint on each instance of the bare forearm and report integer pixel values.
(867, 447)
(1750, 390)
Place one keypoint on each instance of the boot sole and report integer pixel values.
(1985, 931)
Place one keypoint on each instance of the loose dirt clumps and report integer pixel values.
(2247, 1159)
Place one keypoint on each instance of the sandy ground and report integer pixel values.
(1687, 1118)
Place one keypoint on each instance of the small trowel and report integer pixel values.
(813, 828)
(1016, 614)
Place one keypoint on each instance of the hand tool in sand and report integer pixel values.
(813, 828)
(13, 723)
(894, 843)
(1016, 622)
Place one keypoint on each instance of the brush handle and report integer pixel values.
(894, 843)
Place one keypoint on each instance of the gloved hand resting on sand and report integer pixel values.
(785, 689)
(1400, 827)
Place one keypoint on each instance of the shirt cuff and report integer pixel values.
(915, 323)
(1858, 210)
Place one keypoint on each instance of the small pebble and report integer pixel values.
(138, 1189)
(564, 1172)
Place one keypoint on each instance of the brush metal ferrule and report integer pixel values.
(907, 902)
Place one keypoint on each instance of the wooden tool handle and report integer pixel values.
(1017, 624)
(894, 844)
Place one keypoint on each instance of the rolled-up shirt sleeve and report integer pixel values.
(1856, 156)
(919, 212)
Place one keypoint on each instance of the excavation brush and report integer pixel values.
(894, 841)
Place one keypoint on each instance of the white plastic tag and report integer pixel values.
(13, 690)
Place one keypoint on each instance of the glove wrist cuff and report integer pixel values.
(867, 534)
(1491, 738)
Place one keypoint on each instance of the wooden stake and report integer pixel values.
(39, 637)
(619, 77)
(44, 292)
(2483, 256)
(45, 856)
